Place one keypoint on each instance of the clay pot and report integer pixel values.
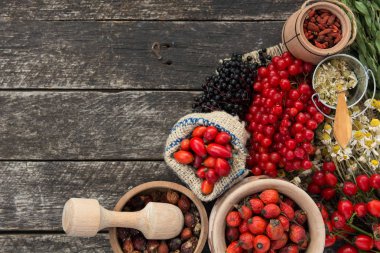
(296, 42)
(163, 186)
(252, 185)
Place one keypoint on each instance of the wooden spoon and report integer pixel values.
(342, 122)
(85, 217)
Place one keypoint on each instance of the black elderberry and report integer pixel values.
(230, 89)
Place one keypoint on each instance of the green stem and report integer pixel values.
(359, 229)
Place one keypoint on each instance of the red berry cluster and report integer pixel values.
(266, 222)
(324, 183)
(208, 150)
(338, 223)
(282, 117)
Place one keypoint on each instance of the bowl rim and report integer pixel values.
(253, 185)
(162, 185)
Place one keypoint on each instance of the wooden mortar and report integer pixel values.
(251, 185)
(161, 186)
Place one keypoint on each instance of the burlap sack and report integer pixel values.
(223, 122)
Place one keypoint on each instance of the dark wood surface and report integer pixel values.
(85, 108)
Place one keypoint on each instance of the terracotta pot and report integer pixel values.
(162, 185)
(251, 185)
(296, 42)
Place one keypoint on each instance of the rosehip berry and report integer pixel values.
(349, 188)
(313, 188)
(345, 208)
(360, 209)
(329, 166)
(347, 248)
(328, 193)
(363, 242)
(363, 182)
(373, 208)
(319, 178)
(331, 179)
(375, 181)
(338, 220)
(233, 219)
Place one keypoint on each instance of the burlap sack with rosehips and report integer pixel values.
(223, 122)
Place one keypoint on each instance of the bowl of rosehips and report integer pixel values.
(193, 236)
(266, 215)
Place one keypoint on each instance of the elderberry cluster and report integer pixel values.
(230, 89)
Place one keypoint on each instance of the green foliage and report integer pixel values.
(367, 44)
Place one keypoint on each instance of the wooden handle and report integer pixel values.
(85, 217)
(342, 122)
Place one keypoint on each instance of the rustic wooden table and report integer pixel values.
(85, 107)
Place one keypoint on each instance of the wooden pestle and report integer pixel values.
(85, 217)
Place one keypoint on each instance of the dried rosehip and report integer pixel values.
(172, 197)
(190, 220)
(184, 203)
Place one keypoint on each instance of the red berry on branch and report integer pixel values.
(363, 242)
(363, 182)
(349, 188)
(329, 166)
(375, 181)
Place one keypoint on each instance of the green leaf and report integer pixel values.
(377, 43)
(361, 44)
(361, 8)
(377, 2)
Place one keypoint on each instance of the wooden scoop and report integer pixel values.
(342, 122)
(85, 217)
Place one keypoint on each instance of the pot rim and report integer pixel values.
(162, 185)
(345, 25)
(244, 189)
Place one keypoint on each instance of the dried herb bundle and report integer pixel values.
(367, 44)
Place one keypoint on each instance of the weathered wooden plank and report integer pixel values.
(148, 10)
(53, 243)
(57, 243)
(32, 194)
(88, 125)
(117, 55)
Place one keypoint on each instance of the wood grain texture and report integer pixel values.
(54, 243)
(61, 243)
(33, 194)
(88, 125)
(148, 10)
(117, 55)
